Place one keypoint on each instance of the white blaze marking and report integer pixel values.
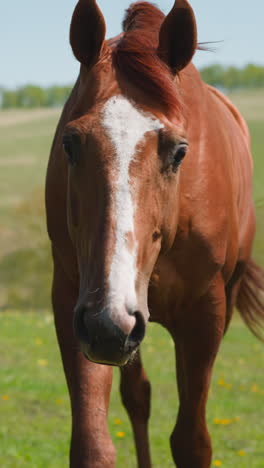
(126, 126)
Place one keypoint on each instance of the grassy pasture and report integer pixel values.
(35, 417)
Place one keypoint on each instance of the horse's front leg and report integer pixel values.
(197, 341)
(89, 385)
(135, 392)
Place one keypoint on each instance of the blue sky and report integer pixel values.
(34, 45)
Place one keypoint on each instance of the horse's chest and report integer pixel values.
(180, 279)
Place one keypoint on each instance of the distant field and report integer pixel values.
(250, 103)
(34, 427)
(24, 148)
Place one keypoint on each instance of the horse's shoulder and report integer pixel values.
(232, 109)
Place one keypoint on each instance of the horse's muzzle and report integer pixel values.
(105, 342)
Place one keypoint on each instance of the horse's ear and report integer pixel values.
(87, 32)
(178, 36)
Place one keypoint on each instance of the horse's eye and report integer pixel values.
(69, 150)
(171, 150)
(178, 156)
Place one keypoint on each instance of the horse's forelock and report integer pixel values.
(135, 56)
(142, 15)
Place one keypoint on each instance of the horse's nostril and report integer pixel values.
(104, 341)
(137, 334)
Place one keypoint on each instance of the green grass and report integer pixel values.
(35, 416)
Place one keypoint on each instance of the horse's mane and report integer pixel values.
(135, 56)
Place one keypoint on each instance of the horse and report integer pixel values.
(151, 218)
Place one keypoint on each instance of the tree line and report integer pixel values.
(31, 96)
(231, 78)
(226, 78)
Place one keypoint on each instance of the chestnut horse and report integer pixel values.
(139, 232)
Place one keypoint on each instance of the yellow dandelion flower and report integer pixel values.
(254, 388)
(58, 401)
(217, 421)
(42, 362)
(226, 421)
(5, 397)
(117, 421)
(217, 463)
(241, 453)
(120, 434)
(221, 382)
(38, 341)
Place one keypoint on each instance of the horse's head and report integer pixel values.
(124, 144)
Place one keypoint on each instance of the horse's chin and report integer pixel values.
(117, 361)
